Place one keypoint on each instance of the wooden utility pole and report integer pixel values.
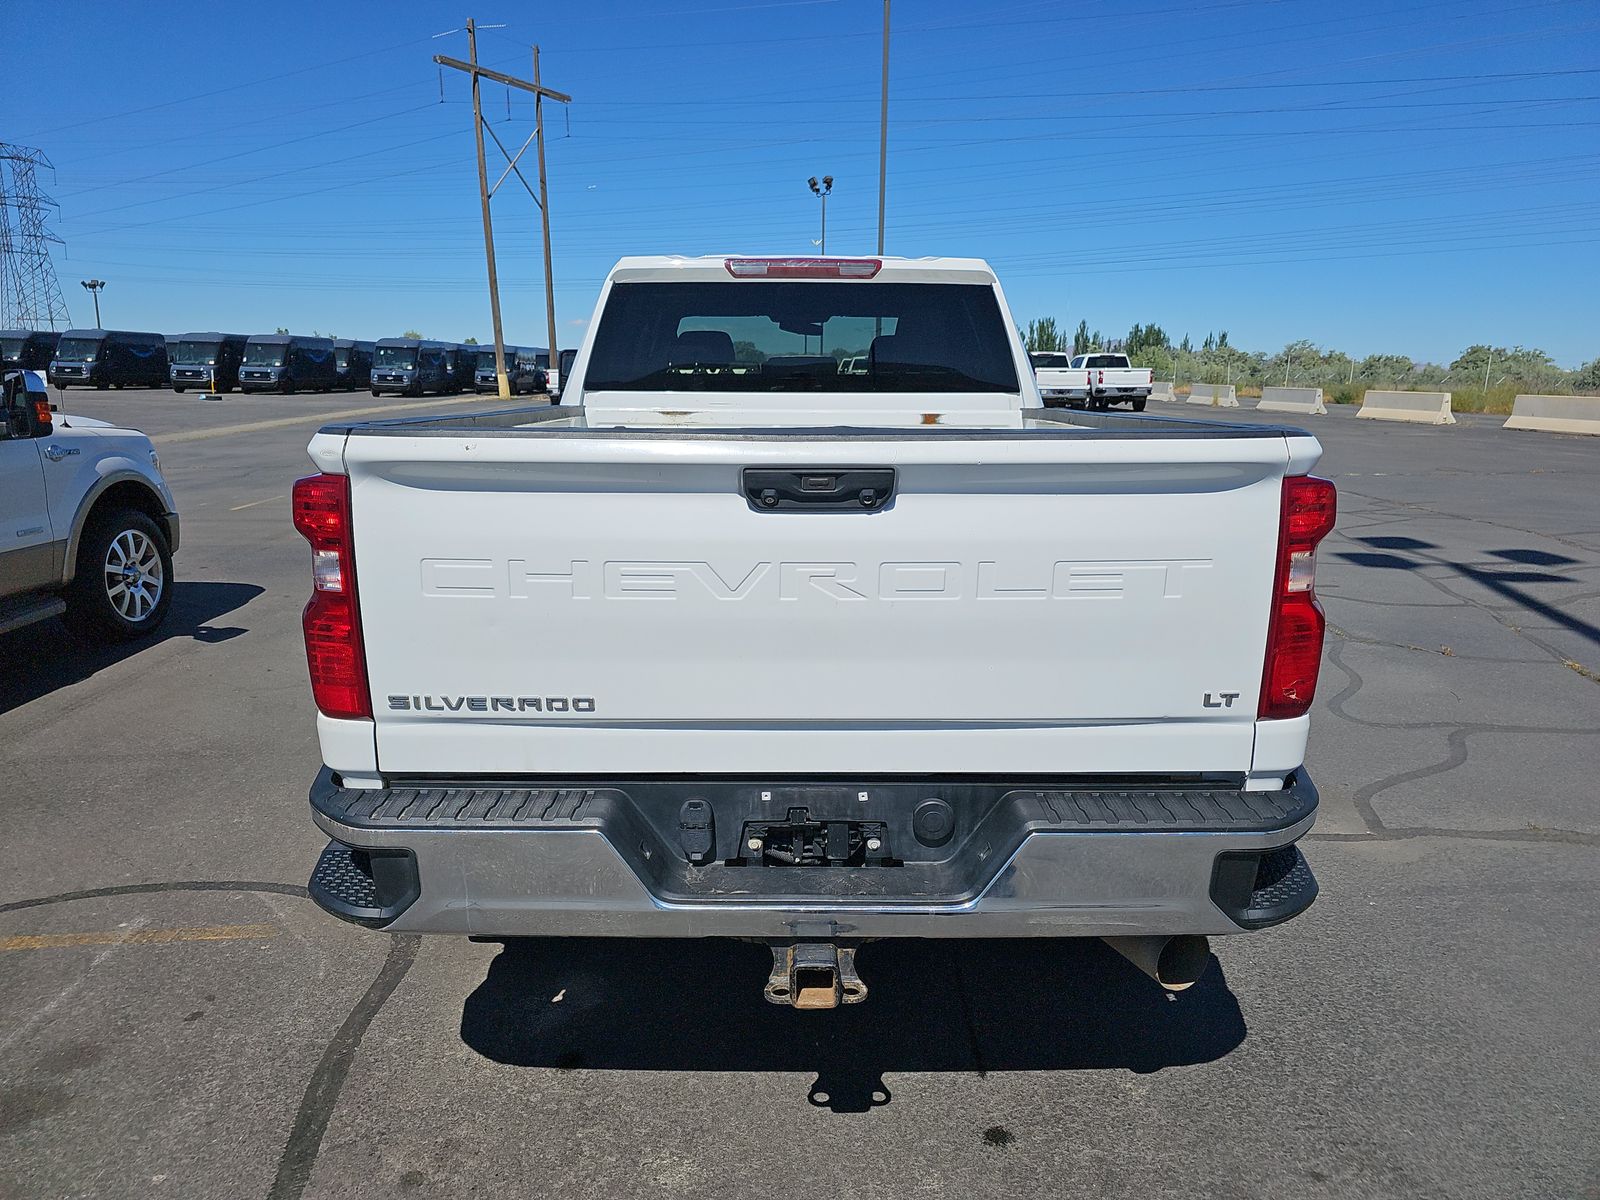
(485, 191)
(502, 380)
(544, 217)
(883, 128)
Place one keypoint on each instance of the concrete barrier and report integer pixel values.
(1213, 395)
(1556, 414)
(1293, 400)
(1161, 391)
(1427, 408)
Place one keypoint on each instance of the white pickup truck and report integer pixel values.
(87, 522)
(1111, 379)
(1059, 381)
(735, 644)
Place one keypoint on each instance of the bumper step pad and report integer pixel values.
(1263, 888)
(366, 887)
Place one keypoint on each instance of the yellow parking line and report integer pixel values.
(253, 503)
(138, 937)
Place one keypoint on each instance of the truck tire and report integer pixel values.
(123, 585)
(177, 389)
(1138, 405)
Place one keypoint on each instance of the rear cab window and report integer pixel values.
(792, 336)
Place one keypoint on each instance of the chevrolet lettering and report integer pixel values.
(886, 647)
(580, 579)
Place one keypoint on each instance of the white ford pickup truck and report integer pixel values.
(87, 522)
(734, 644)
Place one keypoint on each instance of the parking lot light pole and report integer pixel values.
(94, 286)
(823, 191)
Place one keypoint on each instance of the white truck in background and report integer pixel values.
(1059, 381)
(1111, 379)
(733, 643)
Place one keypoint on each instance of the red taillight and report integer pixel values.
(1296, 624)
(1102, 378)
(803, 268)
(332, 620)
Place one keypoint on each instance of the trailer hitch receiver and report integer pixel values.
(814, 975)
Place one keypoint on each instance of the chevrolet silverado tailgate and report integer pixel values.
(631, 603)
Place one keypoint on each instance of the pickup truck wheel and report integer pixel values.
(1138, 406)
(123, 585)
(179, 390)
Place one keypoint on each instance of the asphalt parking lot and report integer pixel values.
(176, 1019)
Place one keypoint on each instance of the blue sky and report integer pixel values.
(1406, 177)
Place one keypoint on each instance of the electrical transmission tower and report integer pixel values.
(30, 295)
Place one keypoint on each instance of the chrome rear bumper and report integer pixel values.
(599, 860)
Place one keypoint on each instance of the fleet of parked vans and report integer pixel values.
(527, 370)
(269, 362)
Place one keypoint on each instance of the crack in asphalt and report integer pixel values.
(1440, 651)
(1456, 740)
(1322, 595)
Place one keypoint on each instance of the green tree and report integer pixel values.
(1385, 368)
(1299, 360)
(1587, 377)
(1143, 338)
(416, 336)
(281, 329)
(469, 341)
(1042, 334)
(1080, 338)
(1519, 363)
(748, 352)
(1186, 346)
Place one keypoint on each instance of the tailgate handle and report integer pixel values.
(818, 489)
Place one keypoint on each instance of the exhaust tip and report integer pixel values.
(1182, 961)
(1176, 963)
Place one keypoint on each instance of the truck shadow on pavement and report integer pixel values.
(933, 1005)
(41, 658)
